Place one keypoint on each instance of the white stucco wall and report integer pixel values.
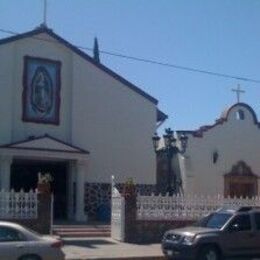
(234, 140)
(115, 123)
(6, 86)
(97, 112)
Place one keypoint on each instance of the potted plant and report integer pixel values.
(44, 180)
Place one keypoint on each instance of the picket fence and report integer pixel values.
(18, 205)
(188, 207)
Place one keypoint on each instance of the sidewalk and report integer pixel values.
(107, 248)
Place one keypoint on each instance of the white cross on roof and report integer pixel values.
(238, 92)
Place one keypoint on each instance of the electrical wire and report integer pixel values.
(154, 62)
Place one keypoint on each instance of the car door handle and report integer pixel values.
(20, 246)
(252, 235)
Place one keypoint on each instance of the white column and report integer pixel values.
(72, 171)
(80, 190)
(5, 172)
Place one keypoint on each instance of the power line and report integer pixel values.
(154, 62)
(182, 67)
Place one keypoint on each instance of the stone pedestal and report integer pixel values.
(129, 193)
(44, 188)
(44, 213)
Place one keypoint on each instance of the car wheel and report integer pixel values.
(209, 253)
(30, 257)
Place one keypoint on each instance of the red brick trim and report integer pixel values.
(223, 119)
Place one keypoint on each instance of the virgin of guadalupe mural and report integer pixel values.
(41, 90)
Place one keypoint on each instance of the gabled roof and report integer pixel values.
(45, 143)
(44, 29)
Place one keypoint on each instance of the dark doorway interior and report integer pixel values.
(24, 175)
(243, 189)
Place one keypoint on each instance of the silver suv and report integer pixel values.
(224, 233)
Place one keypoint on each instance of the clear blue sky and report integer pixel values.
(217, 35)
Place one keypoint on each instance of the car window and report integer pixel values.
(10, 234)
(214, 220)
(257, 220)
(240, 223)
(218, 220)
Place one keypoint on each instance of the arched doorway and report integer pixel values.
(240, 181)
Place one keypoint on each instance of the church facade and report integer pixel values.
(222, 158)
(65, 114)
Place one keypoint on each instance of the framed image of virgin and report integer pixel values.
(41, 90)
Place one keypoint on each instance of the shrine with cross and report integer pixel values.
(220, 158)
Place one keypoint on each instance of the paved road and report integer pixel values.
(107, 248)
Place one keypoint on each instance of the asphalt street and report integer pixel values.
(107, 248)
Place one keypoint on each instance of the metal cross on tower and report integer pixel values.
(238, 92)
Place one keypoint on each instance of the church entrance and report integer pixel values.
(24, 175)
(240, 182)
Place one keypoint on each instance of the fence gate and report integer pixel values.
(117, 213)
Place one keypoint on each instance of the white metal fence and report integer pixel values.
(18, 205)
(117, 213)
(189, 207)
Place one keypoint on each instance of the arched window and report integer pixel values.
(240, 115)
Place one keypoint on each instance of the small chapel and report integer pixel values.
(219, 159)
(66, 114)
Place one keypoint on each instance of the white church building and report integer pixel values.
(223, 158)
(64, 113)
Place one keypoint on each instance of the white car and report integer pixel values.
(19, 243)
